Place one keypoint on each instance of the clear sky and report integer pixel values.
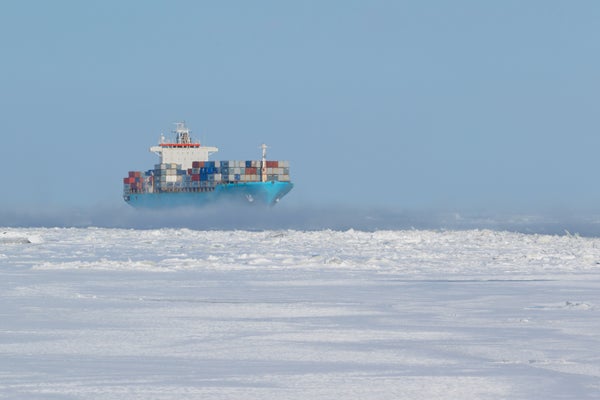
(421, 104)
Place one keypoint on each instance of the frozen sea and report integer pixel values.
(100, 313)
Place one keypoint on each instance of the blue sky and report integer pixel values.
(464, 105)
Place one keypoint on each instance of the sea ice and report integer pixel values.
(177, 313)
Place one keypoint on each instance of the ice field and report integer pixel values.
(98, 313)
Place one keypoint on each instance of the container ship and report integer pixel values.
(185, 177)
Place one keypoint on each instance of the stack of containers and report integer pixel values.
(168, 177)
(278, 171)
(203, 176)
(138, 182)
(133, 183)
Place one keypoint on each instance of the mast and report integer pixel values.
(263, 165)
(183, 133)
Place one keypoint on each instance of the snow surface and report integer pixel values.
(175, 313)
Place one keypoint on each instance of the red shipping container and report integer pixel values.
(131, 174)
(189, 171)
(272, 164)
(196, 177)
(195, 164)
(250, 171)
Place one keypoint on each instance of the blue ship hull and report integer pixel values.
(261, 193)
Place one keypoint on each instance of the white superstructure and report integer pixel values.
(183, 151)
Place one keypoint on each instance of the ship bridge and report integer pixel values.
(183, 151)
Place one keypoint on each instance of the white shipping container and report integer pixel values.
(217, 164)
(218, 177)
(171, 178)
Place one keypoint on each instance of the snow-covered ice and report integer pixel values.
(174, 313)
